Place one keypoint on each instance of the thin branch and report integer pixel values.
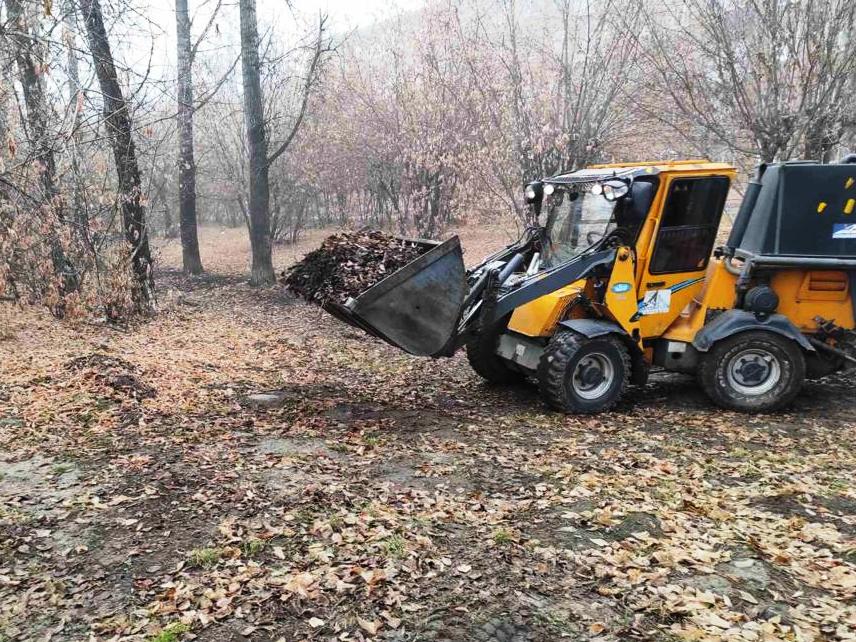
(320, 49)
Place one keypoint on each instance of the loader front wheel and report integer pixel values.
(481, 353)
(753, 372)
(579, 375)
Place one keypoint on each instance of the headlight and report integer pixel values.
(549, 188)
(597, 188)
(533, 193)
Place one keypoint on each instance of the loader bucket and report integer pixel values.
(417, 307)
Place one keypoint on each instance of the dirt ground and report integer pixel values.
(244, 467)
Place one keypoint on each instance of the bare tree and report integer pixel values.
(257, 145)
(762, 78)
(117, 120)
(75, 104)
(258, 136)
(29, 56)
(186, 162)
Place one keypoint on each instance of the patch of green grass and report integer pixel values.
(557, 620)
(205, 557)
(336, 522)
(171, 632)
(252, 547)
(371, 440)
(395, 546)
(502, 537)
(304, 516)
(838, 485)
(752, 473)
(14, 516)
(61, 469)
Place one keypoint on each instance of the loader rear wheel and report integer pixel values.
(481, 353)
(753, 372)
(579, 375)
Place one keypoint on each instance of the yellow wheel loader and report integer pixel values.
(619, 275)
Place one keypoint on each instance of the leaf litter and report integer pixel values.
(347, 264)
(189, 511)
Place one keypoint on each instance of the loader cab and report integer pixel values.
(578, 216)
(575, 220)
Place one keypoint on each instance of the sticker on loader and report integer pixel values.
(844, 231)
(655, 302)
(621, 288)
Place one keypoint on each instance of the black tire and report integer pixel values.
(753, 371)
(481, 353)
(574, 390)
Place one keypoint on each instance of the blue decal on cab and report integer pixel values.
(620, 288)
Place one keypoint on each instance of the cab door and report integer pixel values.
(680, 250)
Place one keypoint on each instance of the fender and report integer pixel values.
(734, 321)
(592, 328)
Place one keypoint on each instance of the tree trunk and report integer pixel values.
(259, 206)
(118, 123)
(168, 223)
(75, 97)
(41, 150)
(186, 162)
(34, 97)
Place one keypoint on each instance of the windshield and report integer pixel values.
(575, 221)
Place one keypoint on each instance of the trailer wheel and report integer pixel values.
(481, 353)
(753, 372)
(579, 375)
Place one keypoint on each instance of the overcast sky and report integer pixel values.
(150, 38)
(355, 13)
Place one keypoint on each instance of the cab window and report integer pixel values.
(689, 224)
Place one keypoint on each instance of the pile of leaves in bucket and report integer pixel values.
(348, 264)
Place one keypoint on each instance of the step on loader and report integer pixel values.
(619, 275)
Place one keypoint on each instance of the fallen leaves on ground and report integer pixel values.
(378, 496)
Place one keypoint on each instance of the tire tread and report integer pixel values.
(482, 357)
(708, 379)
(554, 362)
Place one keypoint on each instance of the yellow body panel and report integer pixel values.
(716, 293)
(804, 295)
(679, 288)
(620, 297)
(538, 318)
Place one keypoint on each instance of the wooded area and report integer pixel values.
(191, 449)
(433, 118)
